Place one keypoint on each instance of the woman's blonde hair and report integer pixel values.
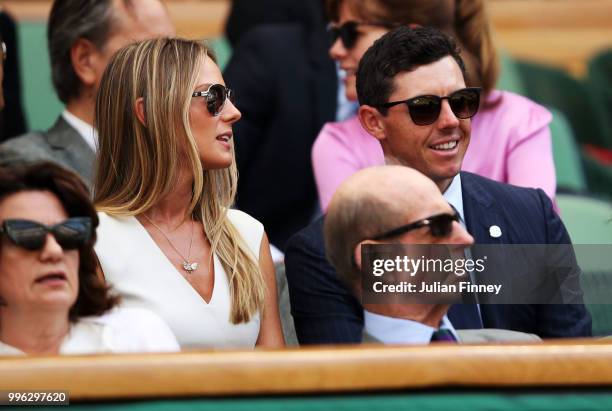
(137, 165)
(466, 20)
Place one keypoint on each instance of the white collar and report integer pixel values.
(454, 195)
(85, 130)
(390, 330)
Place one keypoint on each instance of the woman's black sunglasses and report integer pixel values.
(440, 225)
(425, 110)
(215, 96)
(349, 33)
(31, 235)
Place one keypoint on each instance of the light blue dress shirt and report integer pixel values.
(454, 196)
(391, 330)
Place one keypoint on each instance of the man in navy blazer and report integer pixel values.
(413, 99)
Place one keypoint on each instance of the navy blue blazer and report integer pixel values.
(325, 311)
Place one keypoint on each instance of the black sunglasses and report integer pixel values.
(425, 110)
(215, 96)
(31, 235)
(440, 225)
(348, 32)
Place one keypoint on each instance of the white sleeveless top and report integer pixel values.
(143, 276)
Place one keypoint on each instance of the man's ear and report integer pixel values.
(83, 54)
(371, 120)
(139, 109)
(357, 251)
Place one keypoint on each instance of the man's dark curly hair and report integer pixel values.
(400, 50)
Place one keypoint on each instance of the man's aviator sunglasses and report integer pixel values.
(215, 97)
(31, 235)
(348, 32)
(425, 110)
(440, 225)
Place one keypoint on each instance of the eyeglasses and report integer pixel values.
(348, 32)
(31, 235)
(440, 225)
(425, 110)
(216, 96)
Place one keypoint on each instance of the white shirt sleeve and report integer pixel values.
(138, 330)
(391, 330)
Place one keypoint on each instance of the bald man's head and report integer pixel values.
(397, 189)
(372, 201)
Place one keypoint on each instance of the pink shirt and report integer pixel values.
(510, 143)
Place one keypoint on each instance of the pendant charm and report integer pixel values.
(189, 267)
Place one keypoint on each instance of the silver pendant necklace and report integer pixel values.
(187, 265)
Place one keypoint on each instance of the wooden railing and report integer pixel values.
(314, 370)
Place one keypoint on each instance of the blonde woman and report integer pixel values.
(165, 181)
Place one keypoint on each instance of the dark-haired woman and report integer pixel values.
(51, 298)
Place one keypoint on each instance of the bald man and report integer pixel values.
(82, 37)
(363, 209)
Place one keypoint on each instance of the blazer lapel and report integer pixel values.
(487, 226)
(68, 144)
(482, 220)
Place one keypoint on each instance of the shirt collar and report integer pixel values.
(454, 196)
(85, 130)
(391, 330)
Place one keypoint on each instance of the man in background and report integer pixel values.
(287, 88)
(82, 37)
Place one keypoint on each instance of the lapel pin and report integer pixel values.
(495, 231)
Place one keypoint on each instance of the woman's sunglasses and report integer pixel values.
(440, 225)
(425, 110)
(31, 235)
(215, 96)
(349, 33)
